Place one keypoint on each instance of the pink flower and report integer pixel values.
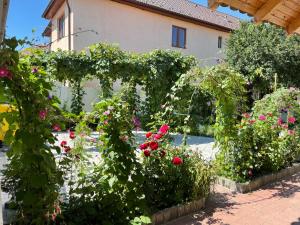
(158, 136)
(284, 126)
(246, 115)
(164, 129)
(5, 73)
(34, 70)
(43, 114)
(252, 121)
(148, 135)
(56, 127)
(291, 132)
(177, 161)
(292, 119)
(262, 117)
(106, 113)
(105, 122)
(280, 121)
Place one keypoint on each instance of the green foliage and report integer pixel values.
(228, 89)
(31, 177)
(267, 140)
(167, 183)
(259, 52)
(109, 193)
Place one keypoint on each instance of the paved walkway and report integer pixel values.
(276, 204)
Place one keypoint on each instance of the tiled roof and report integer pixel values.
(192, 10)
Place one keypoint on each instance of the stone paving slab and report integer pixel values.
(274, 204)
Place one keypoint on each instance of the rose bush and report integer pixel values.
(173, 175)
(267, 139)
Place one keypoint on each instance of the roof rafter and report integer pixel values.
(237, 4)
(266, 9)
(294, 25)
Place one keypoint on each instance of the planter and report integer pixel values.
(258, 182)
(175, 212)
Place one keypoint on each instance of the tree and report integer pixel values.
(263, 52)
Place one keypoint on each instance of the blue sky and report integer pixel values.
(25, 16)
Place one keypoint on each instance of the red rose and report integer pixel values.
(158, 136)
(67, 149)
(250, 173)
(148, 135)
(72, 135)
(63, 143)
(164, 129)
(153, 145)
(56, 127)
(177, 161)
(147, 153)
(144, 146)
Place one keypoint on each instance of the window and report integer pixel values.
(178, 37)
(61, 27)
(219, 42)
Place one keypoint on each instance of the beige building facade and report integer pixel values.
(137, 26)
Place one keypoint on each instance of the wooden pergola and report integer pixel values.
(284, 13)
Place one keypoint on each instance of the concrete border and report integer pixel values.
(176, 212)
(258, 182)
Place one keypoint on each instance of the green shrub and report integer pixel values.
(173, 175)
(265, 141)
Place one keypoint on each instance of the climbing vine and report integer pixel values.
(31, 176)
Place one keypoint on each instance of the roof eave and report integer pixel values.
(53, 5)
(165, 12)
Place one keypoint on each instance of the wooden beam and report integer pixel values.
(266, 9)
(294, 25)
(237, 4)
(213, 4)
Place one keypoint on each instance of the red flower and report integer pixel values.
(252, 121)
(43, 114)
(153, 145)
(147, 153)
(292, 119)
(5, 73)
(158, 136)
(164, 129)
(250, 173)
(246, 115)
(280, 121)
(63, 143)
(144, 146)
(177, 161)
(162, 153)
(56, 127)
(72, 135)
(67, 149)
(148, 135)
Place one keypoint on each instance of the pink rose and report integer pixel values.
(164, 129)
(158, 136)
(43, 114)
(292, 119)
(56, 128)
(291, 132)
(106, 113)
(262, 117)
(5, 73)
(280, 121)
(246, 115)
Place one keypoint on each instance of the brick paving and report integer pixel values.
(275, 204)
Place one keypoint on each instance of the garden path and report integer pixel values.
(275, 204)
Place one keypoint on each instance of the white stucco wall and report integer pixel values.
(133, 30)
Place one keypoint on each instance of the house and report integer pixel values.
(139, 26)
